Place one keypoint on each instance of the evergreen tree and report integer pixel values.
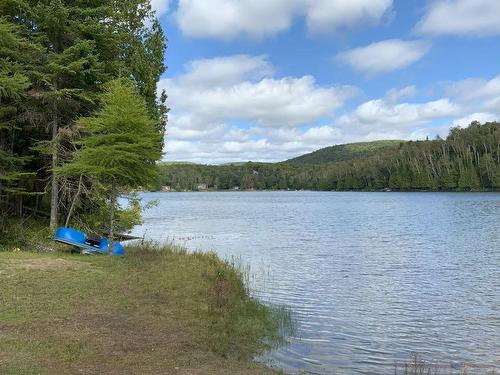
(121, 145)
(15, 54)
(79, 46)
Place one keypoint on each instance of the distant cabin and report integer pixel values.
(202, 187)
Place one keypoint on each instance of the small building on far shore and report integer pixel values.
(202, 187)
(167, 189)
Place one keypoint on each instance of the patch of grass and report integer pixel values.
(28, 234)
(21, 371)
(157, 310)
(239, 326)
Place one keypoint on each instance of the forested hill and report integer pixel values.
(345, 152)
(468, 159)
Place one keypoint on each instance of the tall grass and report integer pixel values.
(240, 325)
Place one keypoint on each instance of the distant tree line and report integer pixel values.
(468, 159)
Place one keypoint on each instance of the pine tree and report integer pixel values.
(121, 146)
(80, 47)
(15, 52)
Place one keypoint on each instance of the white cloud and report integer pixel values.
(384, 56)
(236, 150)
(193, 134)
(329, 15)
(322, 134)
(377, 115)
(461, 17)
(317, 135)
(395, 95)
(160, 6)
(226, 71)
(227, 19)
(479, 94)
(387, 118)
(380, 113)
(481, 117)
(233, 108)
(476, 89)
(291, 101)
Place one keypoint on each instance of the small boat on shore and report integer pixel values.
(88, 244)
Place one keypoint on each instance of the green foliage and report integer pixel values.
(93, 214)
(122, 143)
(56, 57)
(346, 152)
(15, 53)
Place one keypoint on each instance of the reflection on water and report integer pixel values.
(369, 277)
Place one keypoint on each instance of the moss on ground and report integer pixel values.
(157, 310)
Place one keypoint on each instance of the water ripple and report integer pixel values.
(369, 277)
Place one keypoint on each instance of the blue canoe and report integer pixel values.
(79, 239)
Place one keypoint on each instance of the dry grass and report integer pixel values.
(44, 264)
(156, 311)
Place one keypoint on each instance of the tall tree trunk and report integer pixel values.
(112, 216)
(54, 201)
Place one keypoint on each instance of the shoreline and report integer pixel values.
(325, 191)
(157, 310)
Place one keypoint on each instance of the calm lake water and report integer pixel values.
(369, 277)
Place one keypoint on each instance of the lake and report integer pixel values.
(369, 277)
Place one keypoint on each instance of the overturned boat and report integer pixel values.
(88, 244)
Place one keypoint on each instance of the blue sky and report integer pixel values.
(265, 80)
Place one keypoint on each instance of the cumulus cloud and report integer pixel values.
(225, 71)
(384, 56)
(395, 95)
(226, 19)
(391, 118)
(233, 108)
(481, 117)
(476, 89)
(382, 114)
(461, 17)
(314, 136)
(236, 150)
(328, 15)
(229, 18)
(229, 93)
(478, 94)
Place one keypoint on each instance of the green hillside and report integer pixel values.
(345, 152)
(468, 159)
